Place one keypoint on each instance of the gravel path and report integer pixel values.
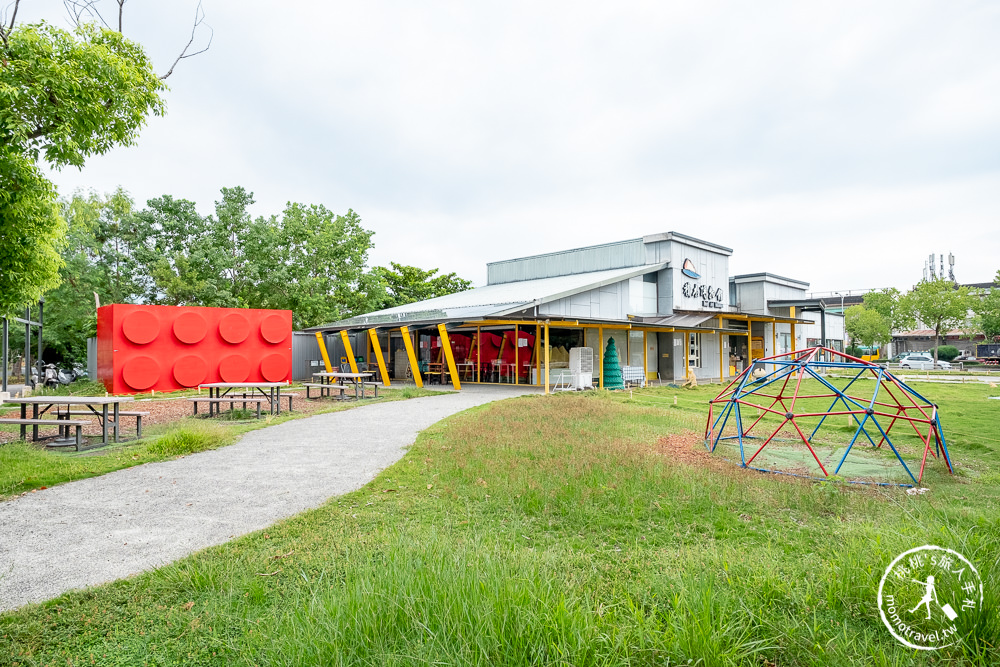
(100, 529)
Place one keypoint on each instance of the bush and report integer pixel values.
(855, 351)
(946, 352)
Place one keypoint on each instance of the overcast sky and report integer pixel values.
(837, 143)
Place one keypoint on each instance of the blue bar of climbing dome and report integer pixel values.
(908, 388)
(893, 447)
(774, 378)
(848, 450)
(732, 398)
(739, 427)
(947, 458)
(728, 409)
(861, 428)
(840, 397)
(831, 387)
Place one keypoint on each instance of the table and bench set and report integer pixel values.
(107, 409)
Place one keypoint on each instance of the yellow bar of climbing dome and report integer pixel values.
(446, 344)
(414, 366)
(347, 350)
(322, 350)
(378, 357)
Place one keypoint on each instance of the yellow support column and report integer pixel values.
(722, 374)
(792, 313)
(546, 344)
(538, 356)
(687, 351)
(414, 366)
(322, 350)
(517, 351)
(452, 370)
(378, 357)
(600, 357)
(347, 350)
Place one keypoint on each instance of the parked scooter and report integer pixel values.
(52, 376)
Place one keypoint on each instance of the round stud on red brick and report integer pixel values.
(141, 327)
(275, 367)
(275, 329)
(234, 368)
(190, 327)
(190, 370)
(141, 372)
(234, 328)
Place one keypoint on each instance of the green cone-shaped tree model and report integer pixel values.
(612, 368)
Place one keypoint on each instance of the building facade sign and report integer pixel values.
(711, 297)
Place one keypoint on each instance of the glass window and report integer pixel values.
(694, 350)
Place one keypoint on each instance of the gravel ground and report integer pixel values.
(100, 529)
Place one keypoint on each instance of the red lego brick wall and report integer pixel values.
(167, 348)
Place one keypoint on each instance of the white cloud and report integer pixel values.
(466, 133)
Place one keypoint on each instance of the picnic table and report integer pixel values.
(357, 380)
(105, 408)
(218, 392)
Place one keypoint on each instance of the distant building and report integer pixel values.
(667, 299)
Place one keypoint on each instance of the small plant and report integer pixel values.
(239, 414)
(946, 352)
(187, 440)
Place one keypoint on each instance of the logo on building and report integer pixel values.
(925, 593)
(688, 270)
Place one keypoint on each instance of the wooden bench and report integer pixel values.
(324, 389)
(248, 396)
(60, 423)
(370, 384)
(138, 417)
(232, 400)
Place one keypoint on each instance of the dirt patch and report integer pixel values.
(686, 447)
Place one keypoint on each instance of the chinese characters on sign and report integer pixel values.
(711, 297)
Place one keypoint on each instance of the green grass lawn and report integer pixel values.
(25, 466)
(577, 529)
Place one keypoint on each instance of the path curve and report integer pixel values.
(104, 528)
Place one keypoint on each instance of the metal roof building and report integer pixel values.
(667, 299)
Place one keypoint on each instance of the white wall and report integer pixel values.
(608, 302)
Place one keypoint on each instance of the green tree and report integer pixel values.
(867, 327)
(940, 305)
(889, 303)
(64, 96)
(987, 311)
(323, 256)
(406, 284)
(31, 232)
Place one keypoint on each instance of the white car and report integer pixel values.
(923, 362)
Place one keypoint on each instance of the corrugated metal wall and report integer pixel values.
(307, 359)
(582, 260)
(92, 359)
